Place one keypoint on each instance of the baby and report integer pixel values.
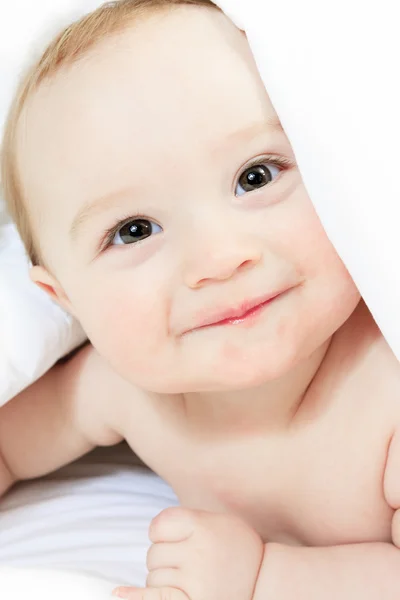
(160, 203)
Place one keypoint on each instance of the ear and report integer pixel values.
(49, 284)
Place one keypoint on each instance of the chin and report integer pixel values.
(253, 368)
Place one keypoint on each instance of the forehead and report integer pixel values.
(175, 81)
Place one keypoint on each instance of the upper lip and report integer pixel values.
(215, 316)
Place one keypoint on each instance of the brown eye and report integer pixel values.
(135, 231)
(256, 177)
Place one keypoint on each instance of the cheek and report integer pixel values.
(300, 237)
(330, 295)
(125, 324)
(324, 269)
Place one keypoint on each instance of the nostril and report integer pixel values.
(246, 263)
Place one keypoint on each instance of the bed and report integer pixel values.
(90, 518)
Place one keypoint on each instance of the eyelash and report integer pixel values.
(272, 159)
(110, 233)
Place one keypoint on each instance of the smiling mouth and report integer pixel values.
(245, 316)
(246, 313)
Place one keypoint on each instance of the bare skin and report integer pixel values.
(283, 425)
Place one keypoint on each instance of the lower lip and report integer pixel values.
(248, 317)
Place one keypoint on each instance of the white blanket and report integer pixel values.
(91, 518)
(330, 68)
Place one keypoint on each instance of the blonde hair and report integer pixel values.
(66, 49)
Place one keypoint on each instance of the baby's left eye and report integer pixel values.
(256, 177)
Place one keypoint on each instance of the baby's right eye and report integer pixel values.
(134, 231)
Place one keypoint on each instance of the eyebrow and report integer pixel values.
(99, 205)
(269, 124)
(94, 207)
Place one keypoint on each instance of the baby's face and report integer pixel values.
(166, 198)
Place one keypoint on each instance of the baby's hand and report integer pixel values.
(199, 555)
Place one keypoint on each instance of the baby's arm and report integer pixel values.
(197, 555)
(59, 418)
(370, 571)
(365, 570)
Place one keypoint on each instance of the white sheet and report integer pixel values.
(91, 517)
(43, 584)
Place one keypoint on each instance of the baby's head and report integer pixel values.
(157, 195)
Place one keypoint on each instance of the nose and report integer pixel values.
(213, 263)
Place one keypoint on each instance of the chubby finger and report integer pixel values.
(165, 578)
(172, 525)
(165, 555)
(132, 593)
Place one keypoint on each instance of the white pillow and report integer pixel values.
(35, 332)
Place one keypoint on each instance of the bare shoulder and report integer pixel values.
(364, 374)
(372, 375)
(123, 410)
(103, 392)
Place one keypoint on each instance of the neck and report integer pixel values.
(271, 406)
